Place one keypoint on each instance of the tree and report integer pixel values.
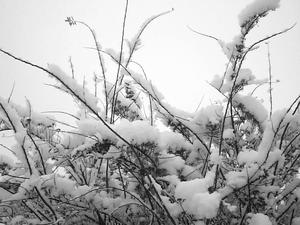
(229, 163)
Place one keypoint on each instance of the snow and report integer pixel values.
(297, 192)
(230, 48)
(275, 156)
(279, 117)
(187, 189)
(195, 196)
(145, 84)
(173, 208)
(237, 179)
(215, 158)
(252, 105)
(203, 205)
(190, 172)
(217, 81)
(13, 120)
(4, 194)
(296, 221)
(91, 127)
(72, 140)
(178, 179)
(289, 187)
(135, 42)
(20, 132)
(173, 141)
(211, 114)
(70, 83)
(228, 133)
(84, 191)
(247, 156)
(172, 179)
(128, 106)
(230, 207)
(137, 131)
(7, 158)
(259, 219)
(61, 185)
(35, 117)
(255, 8)
(199, 223)
(245, 76)
(112, 152)
(171, 163)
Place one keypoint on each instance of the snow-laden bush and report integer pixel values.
(228, 163)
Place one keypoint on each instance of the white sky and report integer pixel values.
(178, 61)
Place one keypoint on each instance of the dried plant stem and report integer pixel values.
(101, 62)
(82, 101)
(115, 95)
(270, 80)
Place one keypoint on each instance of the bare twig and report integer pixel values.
(115, 96)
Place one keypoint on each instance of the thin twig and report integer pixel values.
(115, 96)
(270, 80)
(11, 92)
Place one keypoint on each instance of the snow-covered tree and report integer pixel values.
(231, 162)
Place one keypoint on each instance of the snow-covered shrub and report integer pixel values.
(228, 163)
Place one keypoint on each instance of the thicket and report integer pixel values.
(231, 162)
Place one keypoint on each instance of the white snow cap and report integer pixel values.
(197, 200)
(255, 8)
(296, 221)
(204, 204)
(259, 219)
(253, 106)
(70, 83)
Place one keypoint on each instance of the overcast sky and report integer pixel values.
(178, 61)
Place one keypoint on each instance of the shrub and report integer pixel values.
(228, 163)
